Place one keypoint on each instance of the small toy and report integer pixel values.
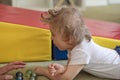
(19, 76)
(28, 73)
(32, 78)
(31, 75)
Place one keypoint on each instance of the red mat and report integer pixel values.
(32, 18)
(103, 29)
(21, 16)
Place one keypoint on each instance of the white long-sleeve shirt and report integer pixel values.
(100, 61)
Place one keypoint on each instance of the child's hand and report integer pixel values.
(12, 66)
(6, 77)
(55, 69)
(15, 65)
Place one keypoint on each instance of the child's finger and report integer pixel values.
(18, 66)
(6, 77)
(50, 65)
(18, 63)
(53, 72)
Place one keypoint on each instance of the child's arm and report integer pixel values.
(11, 66)
(69, 72)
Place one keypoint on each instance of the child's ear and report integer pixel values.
(45, 17)
(53, 12)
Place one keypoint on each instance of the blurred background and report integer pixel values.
(108, 10)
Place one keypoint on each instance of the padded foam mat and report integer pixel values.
(26, 43)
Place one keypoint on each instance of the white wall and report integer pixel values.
(114, 1)
(47, 4)
(101, 2)
(96, 2)
(33, 4)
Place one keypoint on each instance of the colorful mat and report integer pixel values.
(28, 38)
(23, 36)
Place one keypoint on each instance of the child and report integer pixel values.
(70, 33)
(9, 67)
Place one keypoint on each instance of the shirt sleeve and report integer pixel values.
(78, 56)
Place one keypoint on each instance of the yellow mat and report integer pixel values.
(106, 42)
(26, 43)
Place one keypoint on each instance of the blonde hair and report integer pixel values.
(69, 23)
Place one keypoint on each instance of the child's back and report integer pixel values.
(100, 61)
